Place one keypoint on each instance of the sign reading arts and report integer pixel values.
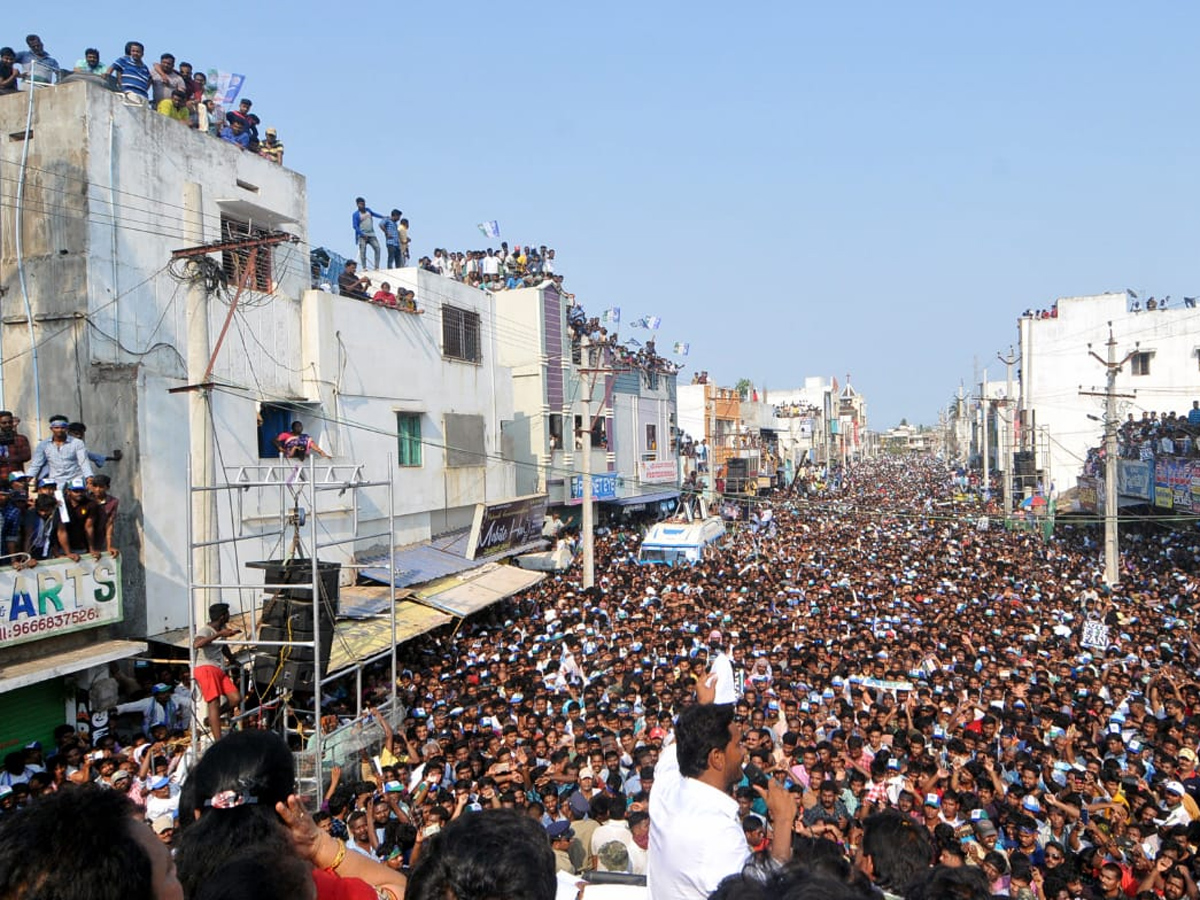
(500, 527)
(57, 597)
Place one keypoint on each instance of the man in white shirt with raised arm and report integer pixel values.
(721, 666)
(696, 838)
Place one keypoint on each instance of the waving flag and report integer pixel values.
(611, 316)
(223, 87)
(651, 322)
(490, 229)
(681, 349)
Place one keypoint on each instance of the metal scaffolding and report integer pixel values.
(300, 487)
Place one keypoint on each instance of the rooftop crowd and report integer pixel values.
(1157, 435)
(1153, 436)
(593, 344)
(174, 89)
(915, 693)
(54, 503)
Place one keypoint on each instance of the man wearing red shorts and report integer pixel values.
(210, 672)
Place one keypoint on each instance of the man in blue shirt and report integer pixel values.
(40, 66)
(235, 133)
(391, 239)
(133, 75)
(364, 231)
(1194, 414)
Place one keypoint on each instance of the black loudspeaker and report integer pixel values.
(298, 572)
(292, 667)
(1023, 463)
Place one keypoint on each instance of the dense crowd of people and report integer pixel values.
(177, 90)
(928, 709)
(495, 269)
(592, 344)
(1155, 435)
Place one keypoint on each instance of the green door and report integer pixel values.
(31, 714)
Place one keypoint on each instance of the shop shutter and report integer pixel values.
(31, 714)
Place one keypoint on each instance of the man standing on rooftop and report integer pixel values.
(133, 74)
(364, 231)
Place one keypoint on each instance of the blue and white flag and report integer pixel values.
(223, 87)
(651, 322)
(681, 349)
(490, 229)
(611, 316)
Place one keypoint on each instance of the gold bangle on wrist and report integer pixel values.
(339, 857)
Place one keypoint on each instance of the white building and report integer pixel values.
(552, 395)
(557, 387)
(93, 202)
(1163, 375)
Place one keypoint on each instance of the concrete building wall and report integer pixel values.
(95, 191)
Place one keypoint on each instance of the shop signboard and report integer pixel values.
(604, 487)
(501, 527)
(658, 471)
(1135, 479)
(58, 596)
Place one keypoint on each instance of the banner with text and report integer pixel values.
(604, 487)
(1135, 478)
(57, 597)
(1173, 483)
(1089, 493)
(658, 471)
(501, 527)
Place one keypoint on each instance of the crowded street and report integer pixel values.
(888, 651)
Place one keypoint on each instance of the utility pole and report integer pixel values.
(712, 447)
(987, 414)
(1112, 548)
(1008, 437)
(200, 436)
(588, 424)
(589, 523)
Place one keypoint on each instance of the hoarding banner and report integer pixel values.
(1173, 483)
(57, 597)
(604, 487)
(1135, 478)
(500, 527)
(1089, 488)
(658, 471)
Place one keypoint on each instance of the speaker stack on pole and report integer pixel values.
(288, 615)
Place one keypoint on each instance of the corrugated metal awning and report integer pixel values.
(492, 584)
(354, 641)
(429, 560)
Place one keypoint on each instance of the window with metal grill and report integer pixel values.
(460, 334)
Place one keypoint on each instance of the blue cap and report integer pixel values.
(560, 829)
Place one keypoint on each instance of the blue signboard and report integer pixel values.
(1135, 478)
(604, 487)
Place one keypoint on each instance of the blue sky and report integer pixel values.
(796, 189)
